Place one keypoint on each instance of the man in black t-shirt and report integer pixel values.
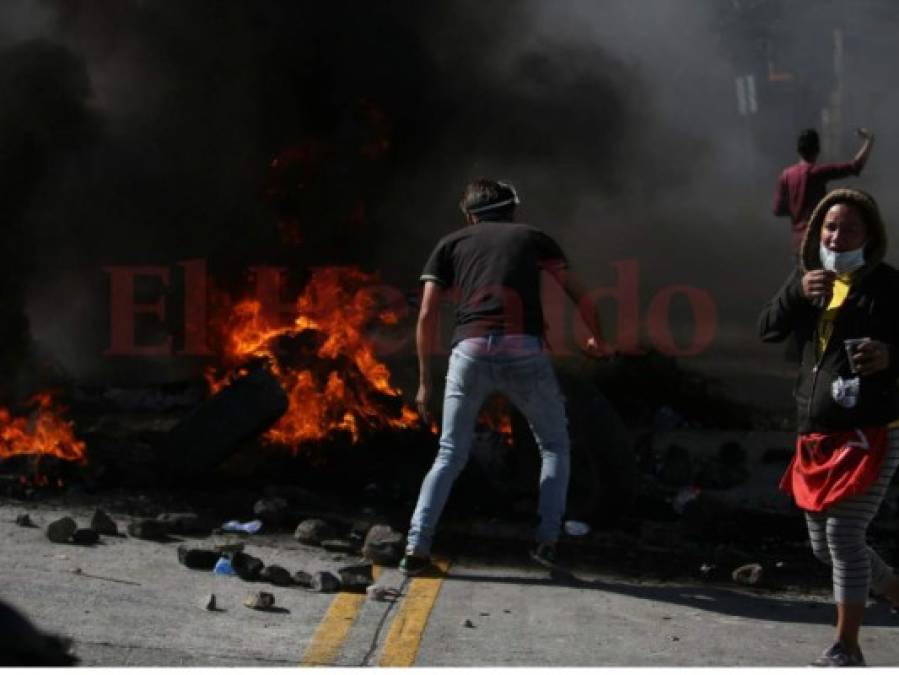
(495, 264)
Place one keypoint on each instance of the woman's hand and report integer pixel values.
(818, 284)
(871, 357)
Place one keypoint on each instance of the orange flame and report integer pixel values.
(338, 384)
(42, 433)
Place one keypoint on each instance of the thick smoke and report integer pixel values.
(617, 121)
(44, 122)
(713, 228)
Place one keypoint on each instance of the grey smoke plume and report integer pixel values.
(617, 120)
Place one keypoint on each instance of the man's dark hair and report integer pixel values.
(489, 199)
(809, 145)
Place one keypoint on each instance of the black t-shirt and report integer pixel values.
(495, 269)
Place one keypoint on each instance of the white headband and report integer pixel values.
(513, 200)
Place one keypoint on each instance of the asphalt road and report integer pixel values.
(133, 604)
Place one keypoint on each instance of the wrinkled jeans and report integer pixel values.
(515, 366)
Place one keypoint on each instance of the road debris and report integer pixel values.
(209, 603)
(250, 527)
(149, 529)
(303, 578)
(274, 574)
(260, 601)
(356, 577)
(748, 575)
(325, 582)
(313, 531)
(246, 566)
(81, 573)
(382, 593)
(383, 545)
(61, 531)
(215, 430)
(85, 536)
(197, 558)
(223, 567)
(101, 523)
(24, 520)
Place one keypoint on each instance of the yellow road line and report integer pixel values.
(334, 627)
(404, 637)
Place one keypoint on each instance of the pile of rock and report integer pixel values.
(66, 531)
(250, 568)
(378, 543)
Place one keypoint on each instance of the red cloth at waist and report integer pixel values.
(829, 467)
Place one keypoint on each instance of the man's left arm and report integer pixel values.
(853, 168)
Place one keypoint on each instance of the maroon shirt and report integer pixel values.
(800, 188)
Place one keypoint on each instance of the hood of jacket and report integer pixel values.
(875, 248)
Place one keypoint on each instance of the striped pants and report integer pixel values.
(837, 536)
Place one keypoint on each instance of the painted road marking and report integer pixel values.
(335, 626)
(404, 637)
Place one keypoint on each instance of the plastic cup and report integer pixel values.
(223, 567)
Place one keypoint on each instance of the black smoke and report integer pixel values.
(617, 121)
(45, 120)
(308, 133)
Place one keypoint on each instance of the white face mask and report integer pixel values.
(842, 262)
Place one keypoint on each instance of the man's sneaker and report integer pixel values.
(545, 554)
(411, 565)
(840, 656)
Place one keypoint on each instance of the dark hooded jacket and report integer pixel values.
(870, 310)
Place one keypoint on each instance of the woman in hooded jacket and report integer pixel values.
(841, 305)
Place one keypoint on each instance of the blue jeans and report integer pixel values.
(516, 366)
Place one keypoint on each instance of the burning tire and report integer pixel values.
(238, 413)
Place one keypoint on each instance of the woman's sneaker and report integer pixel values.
(545, 555)
(840, 656)
(411, 565)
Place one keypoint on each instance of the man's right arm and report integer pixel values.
(577, 291)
